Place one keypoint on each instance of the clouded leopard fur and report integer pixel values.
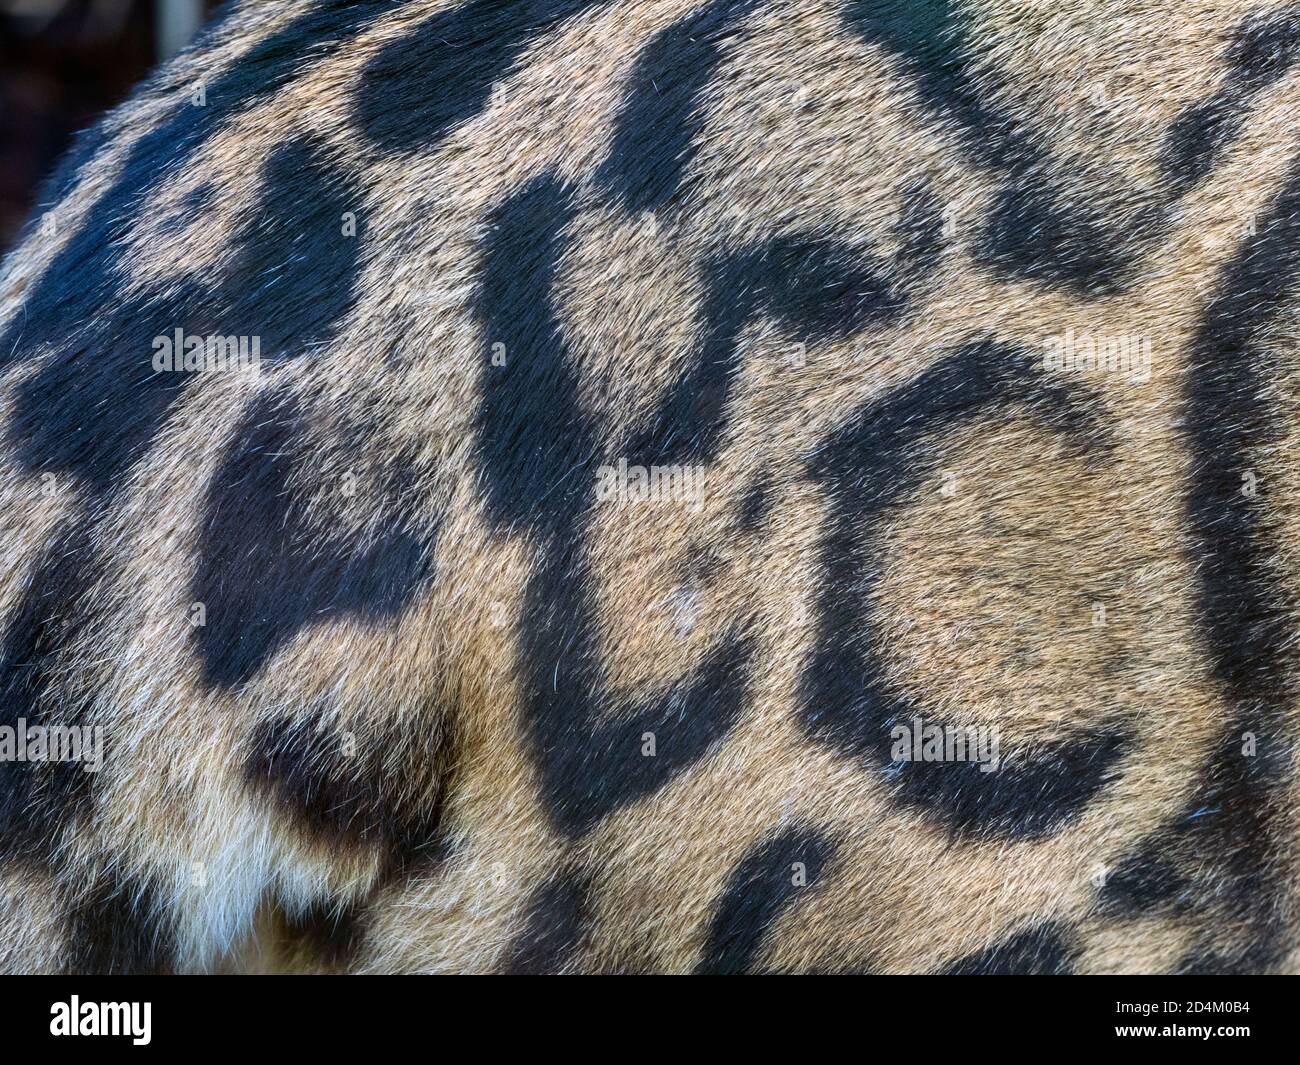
(540, 485)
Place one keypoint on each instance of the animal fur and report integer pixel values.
(378, 672)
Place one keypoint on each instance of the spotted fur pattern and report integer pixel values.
(387, 684)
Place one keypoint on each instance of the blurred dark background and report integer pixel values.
(64, 62)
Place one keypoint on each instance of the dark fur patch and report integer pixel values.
(754, 507)
(1214, 963)
(96, 404)
(868, 467)
(587, 740)
(1030, 796)
(930, 39)
(1244, 605)
(816, 289)
(554, 930)
(662, 118)
(421, 86)
(822, 291)
(760, 890)
(356, 790)
(1041, 227)
(295, 274)
(1040, 231)
(119, 928)
(537, 443)
(1145, 881)
(1228, 845)
(1261, 53)
(1217, 863)
(267, 570)
(1042, 951)
(1213, 866)
(330, 934)
(83, 277)
(1265, 47)
(538, 449)
(95, 409)
(1037, 229)
(38, 798)
(539, 446)
(689, 424)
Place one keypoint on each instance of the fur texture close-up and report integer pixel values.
(662, 486)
